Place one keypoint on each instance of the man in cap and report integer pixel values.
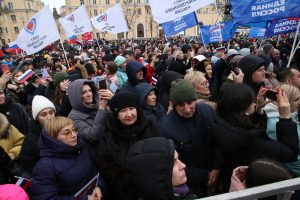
(188, 126)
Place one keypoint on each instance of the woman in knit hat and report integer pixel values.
(60, 98)
(42, 110)
(121, 73)
(126, 125)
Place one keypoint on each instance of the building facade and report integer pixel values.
(14, 14)
(138, 16)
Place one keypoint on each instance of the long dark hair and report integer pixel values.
(58, 94)
(234, 99)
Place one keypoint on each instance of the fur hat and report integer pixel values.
(39, 103)
(182, 90)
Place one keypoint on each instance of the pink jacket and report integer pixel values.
(12, 192)
(238, 179)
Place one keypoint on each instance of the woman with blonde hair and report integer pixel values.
(64, 166)
(271, 110)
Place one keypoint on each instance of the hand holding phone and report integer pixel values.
(272, 95)
(102, 84)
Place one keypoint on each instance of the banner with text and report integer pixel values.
(113, 20)
(256, 32)
(282, 26)
(39, 32)
(212, 34)
(180, 24)
(247, 11)
(167, 10)
(77, 22)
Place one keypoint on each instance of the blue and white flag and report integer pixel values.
(180, 24)
(256, 32)
(282, 26)
(247, 11)
(211, 34)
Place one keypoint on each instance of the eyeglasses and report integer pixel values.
(68, 132)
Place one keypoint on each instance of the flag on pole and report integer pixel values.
(24, 77)
(73, 39)
(13, 48)
(39, 32)
(113, 20)
(86, 36)
(77, 22)
(281, 26)
(167, 10)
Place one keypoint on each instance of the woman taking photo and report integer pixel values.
(240, 128)
(64, 166)
(126, 125)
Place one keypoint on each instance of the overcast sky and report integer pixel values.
(54, 3)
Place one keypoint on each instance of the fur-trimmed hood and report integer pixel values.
(4, 126)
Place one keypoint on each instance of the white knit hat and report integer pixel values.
(39, 103)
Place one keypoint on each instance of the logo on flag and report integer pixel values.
(71, 18)
(102, 18)
(30, 26)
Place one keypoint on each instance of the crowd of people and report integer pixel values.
(156, 119)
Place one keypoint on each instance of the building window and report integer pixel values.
(95, 12)
(140, 30)
(107, 2)
(139, 10)
(128, 11)
(100, 10)
(117, 1)
(0, 30)
(3, 42)
(81, 2)
(6, 30)
(28, 5)
(10, 6)
(16, 29)
(13, 18)
(138, 1)
(94, 1)
(121, 35)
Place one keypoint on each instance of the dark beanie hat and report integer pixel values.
(185, 48)
(249, 64)
(122, 100)
(182, 90)
(58, 77)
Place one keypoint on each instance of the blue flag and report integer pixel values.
(282, 26)
(247, 11)
(180, 24)
(256, 32)
(211, 34)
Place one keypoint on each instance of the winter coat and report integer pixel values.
(10, 138)
(273, 117)
(30, 152)
(154, 113)
(88, 120)
(12, 192)
(240, 146)
(122, 77)
(62, 169)
(132, 68)
(16, 115)
(110, 155)
(194, 144)
(153, 181)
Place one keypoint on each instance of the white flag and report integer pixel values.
(167, 10)
(39, 32)
(113, 20)
(77, 22)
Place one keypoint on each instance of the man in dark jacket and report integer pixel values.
(188, 124)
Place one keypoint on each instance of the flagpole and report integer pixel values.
(64, 53)
(96, 40)
(294, 43)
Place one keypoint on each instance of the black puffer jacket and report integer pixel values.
(110, 155)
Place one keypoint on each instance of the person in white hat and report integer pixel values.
(42, 110)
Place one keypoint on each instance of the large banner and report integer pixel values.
(282, 26)
(167, 10)
(256, 32)
(246, 11)
(212, 34)
(113, 20)
(39, 32)
(180, 24)
(77, 22)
